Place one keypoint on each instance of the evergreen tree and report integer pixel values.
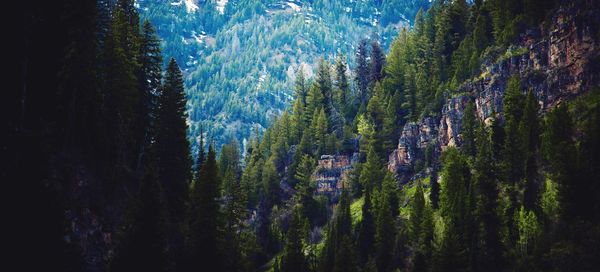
(172, 146)
(376, 114)
(325, 85)
(200, 156)
(453, 254)
(270, 183)
(371, 174)
(340, 228)
(366, 232)
(304, 191)
(342, 85)
(376, 63)
(314, 102)
(395, 67)
(150, 78)
(205, 228)
(385, 233)
(300, 88)
(121, 93)
(560, 154)
(230, 158)
(361, 74)
(424, 251)
(514, 154)
(320, 128)
(489, 247)
(234, 215)
(345, 257)
(293, 258)
(416, 215)
(529, 127)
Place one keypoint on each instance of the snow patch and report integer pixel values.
(221, 5)
(190, 6)
(294, 6)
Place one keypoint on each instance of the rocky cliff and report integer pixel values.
(557, 61)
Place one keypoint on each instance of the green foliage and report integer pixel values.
(293, 258)
(455, 208)
(240, 62)
(529, 231)
(172, 147)
(204, 237)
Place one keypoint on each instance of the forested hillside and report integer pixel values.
(471, 145)
(241, 57)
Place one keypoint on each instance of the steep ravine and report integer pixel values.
(558, 61)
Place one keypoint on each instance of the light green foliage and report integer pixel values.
(356, 210)
(549, 203)
(529, 231)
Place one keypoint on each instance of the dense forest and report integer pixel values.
(472, 144)
(240, 57)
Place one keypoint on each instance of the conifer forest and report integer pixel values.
(303, 135)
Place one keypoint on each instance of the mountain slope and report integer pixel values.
(241, 57)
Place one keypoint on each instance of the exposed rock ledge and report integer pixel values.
(561, 62)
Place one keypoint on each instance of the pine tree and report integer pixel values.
(395, 66)
(340, 228)
(325, 85)
(416, 215)
(424, 252)
(270, 183)
(385, 233)
(453, 254)
(560, 154)
(305, 189)
(371, 174)
(234, 215)
(376, 114)
(150, 77)
(366, 232)
(392, 122)
(293, 258)
(314, 102)
(361, 74)
(204, 218)
(121, 92)
(230, 158)
(342, 85)
(529, 127)
(320, 128)
(345, 257)
(172, 146)
(376, 63)
(300, 88)
(514, 155)
(489, 247)
(200, 156)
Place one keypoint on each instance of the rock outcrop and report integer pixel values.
(331, 174)
(557, 63)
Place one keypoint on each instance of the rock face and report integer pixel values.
(415, 138)
(557, 63)
(331, 174)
